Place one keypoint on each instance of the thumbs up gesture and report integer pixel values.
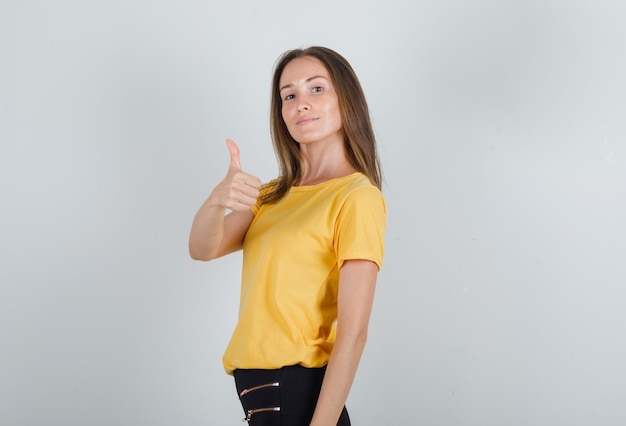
(238, 190)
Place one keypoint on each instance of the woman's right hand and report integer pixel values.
(214, 234)
(238, 191)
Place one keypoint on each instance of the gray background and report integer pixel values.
(503, 138)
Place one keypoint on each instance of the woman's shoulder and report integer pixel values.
(357, 188)
(358, 181)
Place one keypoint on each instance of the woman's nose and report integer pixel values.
(303, 105)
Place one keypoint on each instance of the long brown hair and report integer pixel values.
(359, 139)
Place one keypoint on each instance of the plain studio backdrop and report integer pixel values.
(502, 133)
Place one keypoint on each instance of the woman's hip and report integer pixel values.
(285, 397)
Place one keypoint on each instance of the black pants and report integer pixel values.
(283, 397)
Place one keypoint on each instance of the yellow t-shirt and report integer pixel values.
(292, 254)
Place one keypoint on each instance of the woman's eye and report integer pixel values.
(317, 89)
(289, 97)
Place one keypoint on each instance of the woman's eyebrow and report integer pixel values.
(287, 86)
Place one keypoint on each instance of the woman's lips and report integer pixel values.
(306, 120)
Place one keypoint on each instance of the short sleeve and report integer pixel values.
(360, 226)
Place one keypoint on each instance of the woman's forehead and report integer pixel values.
(302, 69)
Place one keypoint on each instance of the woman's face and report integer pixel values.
(310, 107)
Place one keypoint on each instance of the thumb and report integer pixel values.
(234, 154)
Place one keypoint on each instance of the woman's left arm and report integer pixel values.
(357, 281)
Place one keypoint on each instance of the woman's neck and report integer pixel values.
(323, 162)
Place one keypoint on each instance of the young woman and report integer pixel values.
(312, 245)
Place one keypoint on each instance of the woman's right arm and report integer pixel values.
(215, 234)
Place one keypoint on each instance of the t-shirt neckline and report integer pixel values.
(321, 184)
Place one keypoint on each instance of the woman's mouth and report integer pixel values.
(306, 120)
